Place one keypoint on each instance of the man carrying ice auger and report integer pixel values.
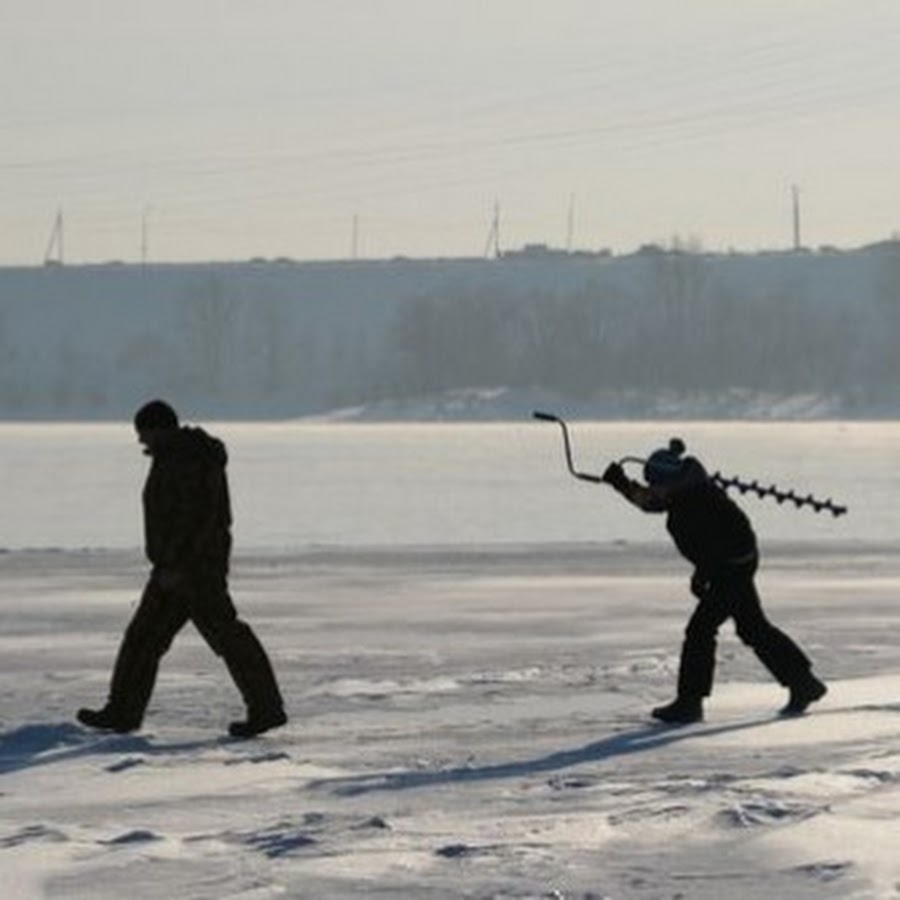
(710, 531)
(187, 526)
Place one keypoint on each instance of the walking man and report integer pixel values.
(712, 532)
(187, 531)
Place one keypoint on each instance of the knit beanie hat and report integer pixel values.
(157, 414)
(666, 465)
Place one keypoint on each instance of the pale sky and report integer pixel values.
(230, 129)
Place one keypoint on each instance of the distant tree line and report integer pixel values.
(680, 329)
(677, 323)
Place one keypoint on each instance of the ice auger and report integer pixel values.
(725, 482)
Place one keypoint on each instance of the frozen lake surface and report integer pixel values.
(304, 484)
(469, 642)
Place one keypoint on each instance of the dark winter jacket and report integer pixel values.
(708, 528)
(187, 509)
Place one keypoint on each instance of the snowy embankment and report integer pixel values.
(502, 404)
(466, 722)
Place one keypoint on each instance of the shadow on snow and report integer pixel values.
(649, 737)
(45, 743)
(42, 744)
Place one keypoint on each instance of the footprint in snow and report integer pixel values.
(32, 833)
(569, 782)
(277, 842)
(826, 871)
(127, 838)
(289, 836)
(750, 813)
(124, 764)
(375, 822)
(270, 756)
(463, 851)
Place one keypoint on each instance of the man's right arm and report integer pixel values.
(180, 514)
(634, 492)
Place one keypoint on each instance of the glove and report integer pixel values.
(615, 475)
(699, 585)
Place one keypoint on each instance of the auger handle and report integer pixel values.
(567, 447)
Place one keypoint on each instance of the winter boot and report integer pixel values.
(107, 720)
(681, 711)
(257, 723)
(802, 694)
(252, 672)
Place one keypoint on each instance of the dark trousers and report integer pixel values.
(162, 612)
(731, 594)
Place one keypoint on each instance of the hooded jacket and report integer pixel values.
(187, 508)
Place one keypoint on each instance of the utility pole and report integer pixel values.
(144, 237)
(354, 238)
(55, 243)
(570, 223)
(493, 239)
(795, 204)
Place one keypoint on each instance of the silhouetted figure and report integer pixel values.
(712, 532)
(187, 530)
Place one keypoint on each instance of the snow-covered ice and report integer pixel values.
(469, 642)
